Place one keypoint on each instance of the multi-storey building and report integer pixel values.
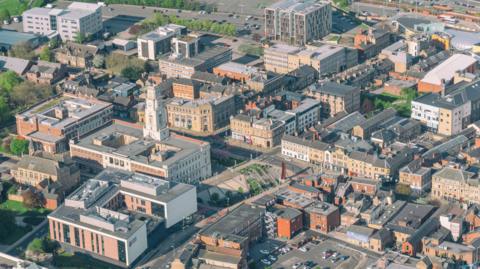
(442, 76)
(305, 150)
(322, 216)
(45, 169)
(227, 241)
(76, 55)
(370, 42)
(155, 43)
(77, 19)
(307, 114)
(263, 133)
(151, 151)
(417, 177)
(446, 115)
(51, 124)
(94, 218)
(325, 59)
(201, 116)
(188, 89)
(456, 185)
(335, 98)
(44, 72)
(298, 22)
(178, 65)
(365, 129)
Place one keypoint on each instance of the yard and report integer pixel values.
(13, 212)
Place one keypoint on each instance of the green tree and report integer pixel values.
(4, 14)
(132, 73)
(5, 112)
(36, 246)
(403, 189)
(99, 61)
(46, 54)
(19, 146)
(22, 50)
(54, 43)
(8, 80)
(80, 38)
(28, 93)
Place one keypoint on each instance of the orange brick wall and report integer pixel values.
(134, 203)
(24, 127)
(286, 228)
(427, 87)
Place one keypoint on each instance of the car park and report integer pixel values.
(264, 251)
(266, 262)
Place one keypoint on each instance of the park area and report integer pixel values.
(16, 220)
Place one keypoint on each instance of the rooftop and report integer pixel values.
(62, 112)
(137, 148)
(332, 88)
(445, 71)
(298, 6)
(321, 208)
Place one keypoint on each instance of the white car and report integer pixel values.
(272, 258)
(303, 249)
(264, 251)
(266, 262)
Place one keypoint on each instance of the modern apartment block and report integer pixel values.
(51, 124)
(335, 98)
(114, 215)
(158, 42)
(78, 18)
(298, 22)
(151, 150)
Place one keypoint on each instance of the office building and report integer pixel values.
(113, 215)
(298, 22)
(179, 66)
(51, 124)
(158, 42)
(151, 150)
(77, 19)
(322, 217)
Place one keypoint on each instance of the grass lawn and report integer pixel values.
(80, 261)
(19, 209)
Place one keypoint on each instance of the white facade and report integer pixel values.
(78, 18)
(426, 114)
(181, 207)
(155, 116)
(307, 114)
(295, 150)
(136, 244)
(157, 42)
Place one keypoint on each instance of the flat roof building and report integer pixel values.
(51, 124)
(101, 216)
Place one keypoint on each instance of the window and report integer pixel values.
(121, 251)
(77, 237)
(66, 233)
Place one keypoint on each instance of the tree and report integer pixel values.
(46, 54)
(8, 80)
(32, 199)
(403, 189)
(43, 245)
(19, 146)
(5, 112)
(240, 190)
(28, 93)
(99, 61)
(22, 50)
(133, 73)
(7, 224)
(4, 14)
(54, 43)
(80, 38)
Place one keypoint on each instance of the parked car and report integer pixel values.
(264, 251)
(266, 262)
(297, 265)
